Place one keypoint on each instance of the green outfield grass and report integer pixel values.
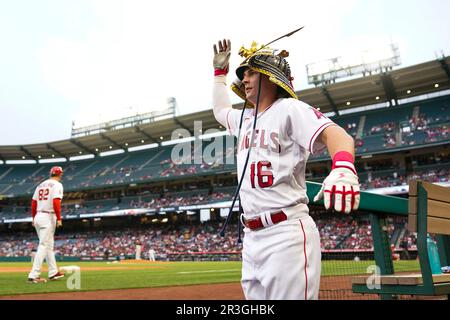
(160, 274)
(115, 277)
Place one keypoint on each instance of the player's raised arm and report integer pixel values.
(221, 101)
(342, 184)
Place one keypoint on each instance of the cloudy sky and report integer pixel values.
(91, 61)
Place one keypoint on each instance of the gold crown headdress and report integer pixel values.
(265, 60)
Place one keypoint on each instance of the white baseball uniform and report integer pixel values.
(45, 224)
(280, 261)
(151, 255)
(138, 251)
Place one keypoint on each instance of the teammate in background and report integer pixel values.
(106, 254)
(33, 255)
(138, 249)
(151, 255)
(281, 250)
(46, 212)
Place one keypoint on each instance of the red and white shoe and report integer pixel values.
(56, 276)
(37, 280)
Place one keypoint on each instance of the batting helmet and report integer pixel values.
(265, 61)
(56, 171)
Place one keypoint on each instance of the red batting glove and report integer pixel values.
(341, 185)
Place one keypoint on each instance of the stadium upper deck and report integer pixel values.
(412, 125)
(388, 88)
(401, 126)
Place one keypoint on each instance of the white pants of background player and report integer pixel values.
(282, 262)
(45, 224)
(151, 255)
(138, 252)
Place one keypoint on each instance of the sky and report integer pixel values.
(89, 61)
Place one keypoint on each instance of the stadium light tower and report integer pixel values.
(124, 122)
(367, 62)
(172, 105)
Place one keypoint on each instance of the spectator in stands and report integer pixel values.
(395, 255)
(404, 247)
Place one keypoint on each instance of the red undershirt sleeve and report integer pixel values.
(57, 208)
(33, 208)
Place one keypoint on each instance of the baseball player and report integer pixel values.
(281, 256)
(46, 212)
(138, 250)
(33, 255)
(151, 254)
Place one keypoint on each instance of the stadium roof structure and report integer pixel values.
(388, 87)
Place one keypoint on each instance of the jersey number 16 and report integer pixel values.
(261, 174)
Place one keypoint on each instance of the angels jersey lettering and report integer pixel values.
(284, 137)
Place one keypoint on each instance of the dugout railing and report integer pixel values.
(428, 213)
(379, 207)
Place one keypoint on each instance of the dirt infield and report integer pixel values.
(340, 288)
(123, 265)
(227, 291)
(27, 269)
(332, 288)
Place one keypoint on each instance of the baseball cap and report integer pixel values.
(56, 171)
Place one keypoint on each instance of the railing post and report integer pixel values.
(443, 243)
(382, 250)
(422, 230)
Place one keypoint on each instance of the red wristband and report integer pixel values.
(344, 159)
(221, 72)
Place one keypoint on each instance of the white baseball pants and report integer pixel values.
(282, 262)
(45, 225)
